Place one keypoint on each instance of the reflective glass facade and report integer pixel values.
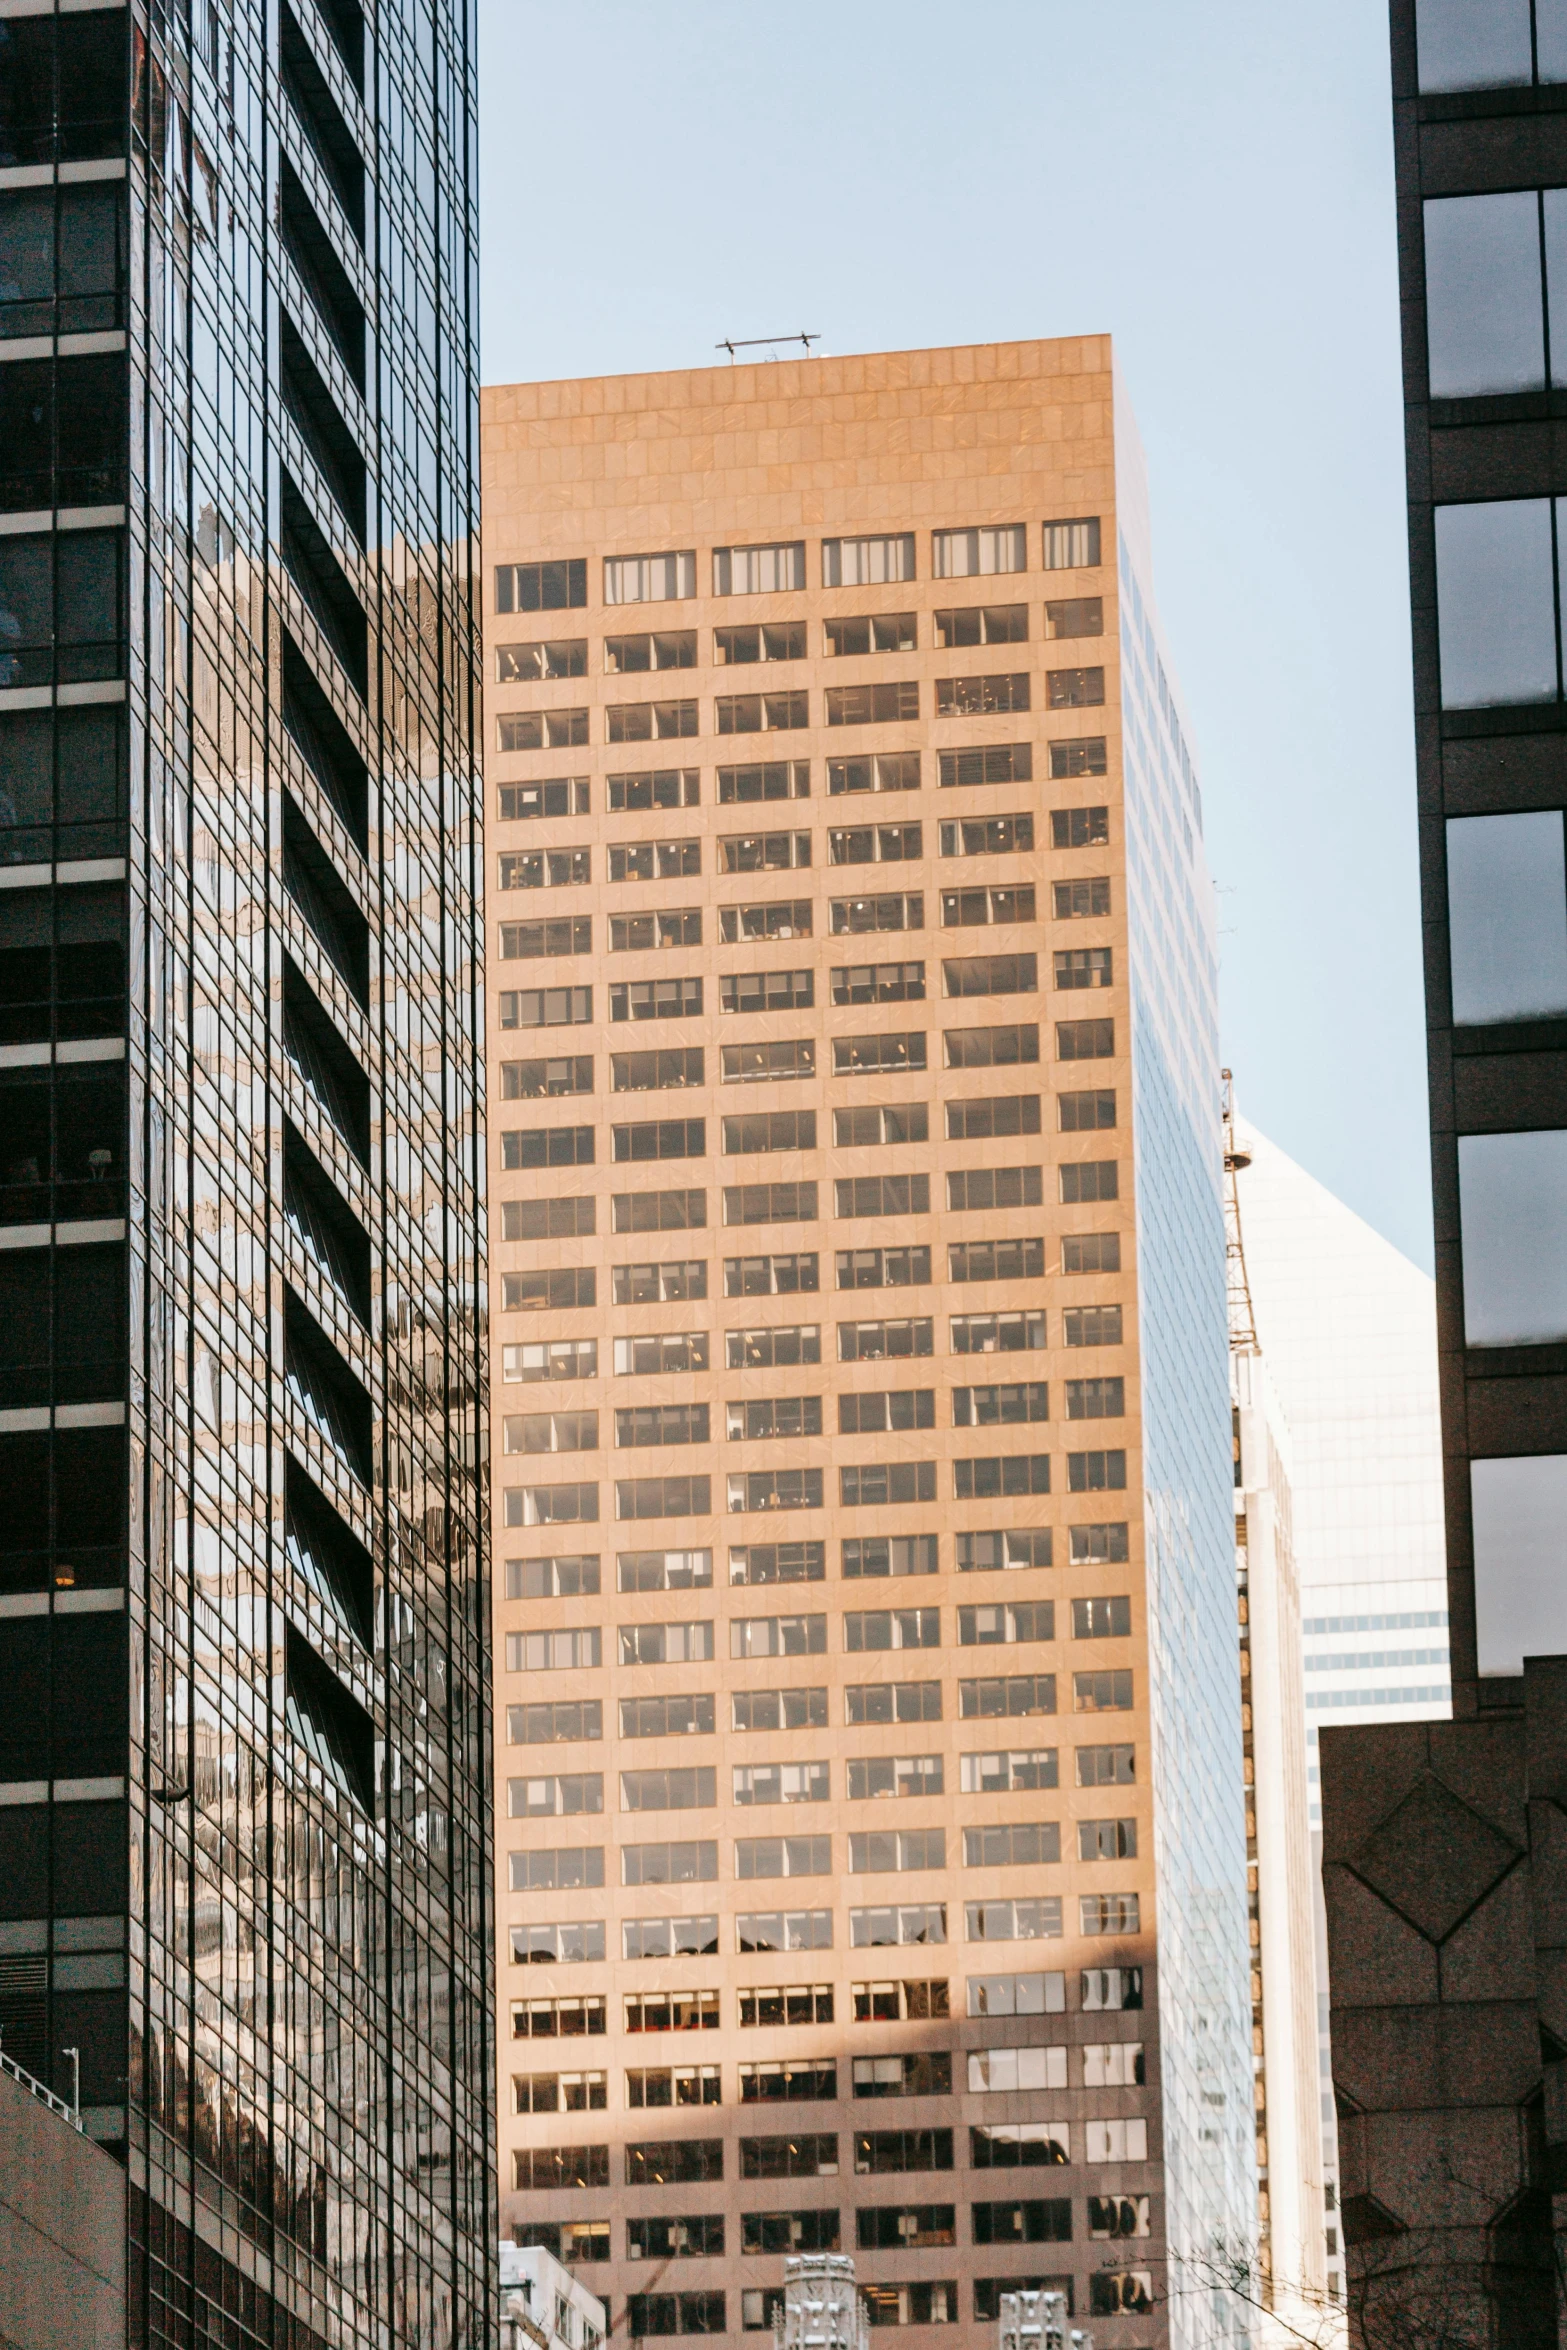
(244, 1835)
(1200, 1828)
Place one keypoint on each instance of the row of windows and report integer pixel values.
(1070, 827)
(1111, 2292)
(584, 1941)
(683, 1280)
(815, 2080)
(789, 710)
(785, 1345)
(1018, 1696)
(872, 1125)
(854, 1196)
(651, 650)
(765, 852)
(788, 1060)
(866, 1413)
(879, 1484)
(879, 2227)
(873, 561)
(773, 780)
(1016, 1770)
(997, 1625)
(584, 2015)
(771, 1417)
(965, 909)
(579, 1575)
(1008, 1697)
(787, 990)
(1003, 1844)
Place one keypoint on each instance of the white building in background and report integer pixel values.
(1347, 1327)
(544, 2306)
(1292, 2221)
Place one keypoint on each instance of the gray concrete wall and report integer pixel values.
(62, 2232)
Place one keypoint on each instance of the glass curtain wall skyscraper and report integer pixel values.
(873, 1845)
(244, 1834)
(1442, 1841)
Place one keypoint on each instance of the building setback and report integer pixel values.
(869, 1758)
(1442, 1842)
(245, 1876)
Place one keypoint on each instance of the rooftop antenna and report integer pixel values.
(1243, 1321)
(765, 342)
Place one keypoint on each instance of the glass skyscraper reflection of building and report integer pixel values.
(244, 1840)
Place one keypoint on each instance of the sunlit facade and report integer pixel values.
(859, 1289)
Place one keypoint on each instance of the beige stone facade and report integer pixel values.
(797, 1237)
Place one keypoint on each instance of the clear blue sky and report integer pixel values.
(1212, 184)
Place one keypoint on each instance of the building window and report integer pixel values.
(892, 1701)
(1086, 756)
(871, 632)
(1088, 1180)
(898, 1925)
(759, 852)
(990, 763)
(1507, 917)
(531, 664)
(627, 656)
(675, 2162)
(783, 918)
(759, 571)
(782, 640)
(1079, 828)
(991, 975)
(1103, 1692)
(981, 624)
(1074, 689)
(1496, 573)
(1492, 48)
(996, 696)
(1072, 546)
(541, 587)
(544, 730)
(563, 796)
(880, 1851)
(1015, 1921)
(873, 705)
(649, 579)
(875, 1777)
(971, 554)
(667, 787)
(762, 713)
(772, 779)
(641, 722)
(1111, 1913)
(868, 562)
(1075, 616)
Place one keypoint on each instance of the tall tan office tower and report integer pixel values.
(873, 1867)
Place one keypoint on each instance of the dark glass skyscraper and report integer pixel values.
(244, 1840)
(1443, 1842)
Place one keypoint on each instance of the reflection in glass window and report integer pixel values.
(1462, 47)
(1513, 1214)
(1485, 320)
(1507, 912)
(1496, 603)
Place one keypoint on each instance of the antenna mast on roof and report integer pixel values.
(765, 342)
(1243, 1321)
